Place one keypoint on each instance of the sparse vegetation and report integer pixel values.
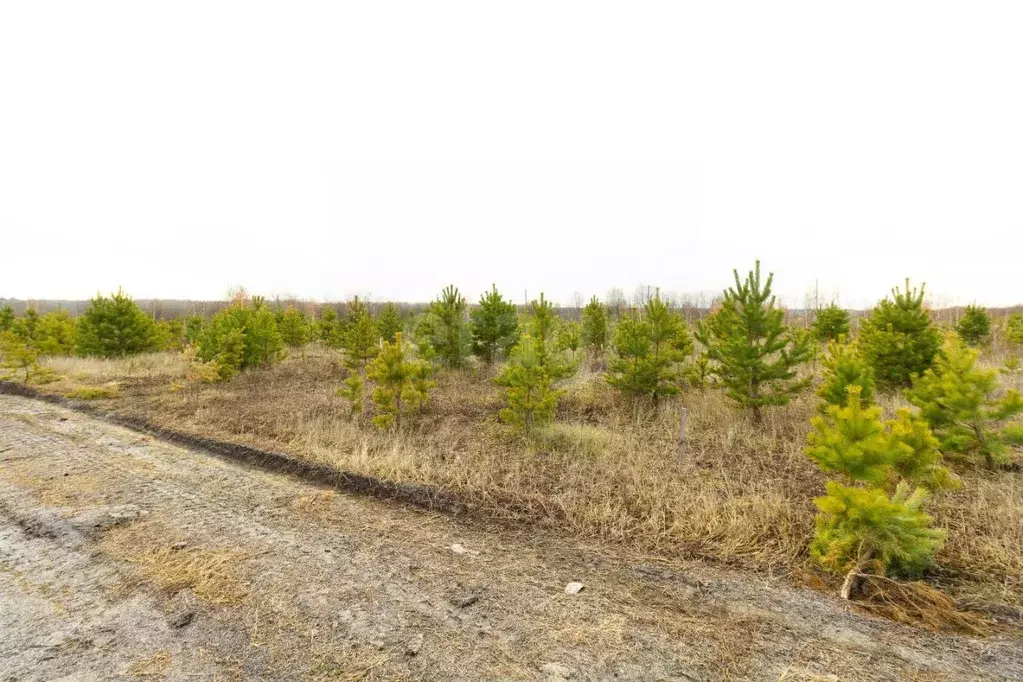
(746, 491)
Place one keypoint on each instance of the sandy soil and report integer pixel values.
(123, 557)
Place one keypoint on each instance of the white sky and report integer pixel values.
(325, 149)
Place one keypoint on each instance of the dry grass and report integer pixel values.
(100, 370)
(154, 667)
(212, 573)
(742, 493)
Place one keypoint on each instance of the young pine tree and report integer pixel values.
(534, 368)
(389, 323)
(328, 327)
(964, 407)
(756, 355)
(845, 367)
(294, 328)
(193, 328)
(450, 337)
(830, 324)
(872, 519)
(1014, 330)
(649, 350)
(361, 337)
(898, 338)
(596, 323)
(570, 337)
(6, 318)
(974, 327)
(494, 326)
(529, 387)
(18, 355)
(402, 383)
(114, 327)
(56, 334)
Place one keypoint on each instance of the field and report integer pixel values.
(740, 493)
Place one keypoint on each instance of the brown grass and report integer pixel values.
(212, 573)
(742, 493)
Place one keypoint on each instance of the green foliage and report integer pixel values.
(402, 383)
(858, 527)
(596, 325)
(756, 355)
(898, 338)
(700, 372)
(18, 355)
(852, 440)
(649, 350)
(830, 324)
(360, 336)
(115, 327)
(534, 367)
(56, 334)
(193, 328)
(294, 327)
(963, 405)
(529, 387)
(570, 337)
(352, 389)
(975, 326)
(328, 327)
(93, 392)
(169, 334)
(494, 326)
(446, 330)
(230, 357)
(1014, 329)
(389, 323)
(255, 328)
(845, 367)
(6, 318)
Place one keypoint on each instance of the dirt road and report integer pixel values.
(123, 557)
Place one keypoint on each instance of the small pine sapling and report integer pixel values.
(964, 406)
(529, 387)
(449, 334)
(898, 338)
(755, 354)
(6, 318)
(845, 367)
(570, 337)
(859, 526)
(494, 326)
(294, 328)
(830, 324)
(974, 327)
(361, 339)
(114, 327)
(649, 350)
(402, 383)
(389, 323)
(17, 355)
(56, 334)
(352, 389)
(328, 327)
(596, 325)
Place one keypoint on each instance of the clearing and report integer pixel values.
(125, 557)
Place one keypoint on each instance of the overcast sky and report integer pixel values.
(325, 149)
